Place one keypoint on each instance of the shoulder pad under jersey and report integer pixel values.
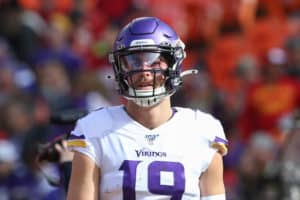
(214, 129)
(95, 124)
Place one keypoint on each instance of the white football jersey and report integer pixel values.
(149, 164)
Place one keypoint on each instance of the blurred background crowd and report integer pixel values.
(53, 58)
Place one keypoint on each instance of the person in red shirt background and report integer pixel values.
(270, 103)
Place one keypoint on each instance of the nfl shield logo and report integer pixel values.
(151, 138)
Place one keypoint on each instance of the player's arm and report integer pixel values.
(211, 182)
(84, 182)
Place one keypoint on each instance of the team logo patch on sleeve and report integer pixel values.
(220, 144)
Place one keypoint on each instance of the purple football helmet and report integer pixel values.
(147, 39)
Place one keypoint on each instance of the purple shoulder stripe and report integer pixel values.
(72, 137)
(221, 140)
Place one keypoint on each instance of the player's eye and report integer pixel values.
(138, 60)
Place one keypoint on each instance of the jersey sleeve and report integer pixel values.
(219, 140)
(80, 141)
(213, 137)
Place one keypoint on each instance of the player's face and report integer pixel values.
(147, 68)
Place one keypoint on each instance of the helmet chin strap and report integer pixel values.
(147, 102)
(140, 98)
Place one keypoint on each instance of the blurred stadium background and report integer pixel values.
(53, 57)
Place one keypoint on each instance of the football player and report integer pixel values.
(147, 149)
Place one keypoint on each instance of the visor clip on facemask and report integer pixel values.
(189, 72)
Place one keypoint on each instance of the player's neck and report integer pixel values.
(150, 117)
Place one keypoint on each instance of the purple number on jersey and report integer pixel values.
(129, 167)
(177, 189)
(154, 179)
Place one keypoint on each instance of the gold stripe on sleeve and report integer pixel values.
(76, 143)
(220, 147)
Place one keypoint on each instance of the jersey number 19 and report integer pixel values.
(154, 185)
